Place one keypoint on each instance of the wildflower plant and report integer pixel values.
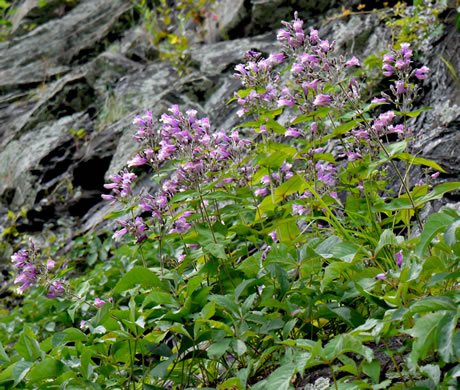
(263, 256)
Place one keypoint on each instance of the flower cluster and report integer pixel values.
(34, 271)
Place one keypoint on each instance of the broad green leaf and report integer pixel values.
(437, 192)
(346, 343)
(137, 275)
(216, 350)
(425, 333)
(419, 161)
(333, 271)
(413, 114)
(281, 378)
(67, 336)
(433, 372)
(3, 354)
(342, 129)
(295, 184)
(159, 297)
(28, 346)
(86, 362)
(20, 370)
(350, 316)
(345, 251)
(46, 369)
(427, 304)
(387, 238)
(7, 374)
(240, 347)
(372, 370)
(434, 225)
(445, 336)
(231, 384)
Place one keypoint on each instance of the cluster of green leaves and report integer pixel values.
(167, 26)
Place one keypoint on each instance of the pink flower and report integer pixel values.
(353, 62)
(435, 175)
(292, 132)
(314, 38)
(381, 276)
(99, 302)
(321, 100)
(273, 236)
(378, 100)
(261, 192)
(120, 233)
(296, 68)
(422, 73)
(137, 160)
(50, 264)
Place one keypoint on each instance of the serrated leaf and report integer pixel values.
(137, 275)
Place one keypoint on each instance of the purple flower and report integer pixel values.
(387, 69)
(261, 192)
(311, 85)
(276, 58)
(399, 258)
(422, 73)
(99, 303)
(50, 265)
(388, 58)
(82, 324)
(299, 210)
(321, 100)
(273, 236)
(378, 100)
(381, 276)
(296, 68)
(435, 175)
(314, 127)
(400, 87)
(56, 290)
(283, 35)
(136, 160)
(314, 38)
(353, 62)
(265, 253)
(292, 132)
(325, 46)
(120, 233)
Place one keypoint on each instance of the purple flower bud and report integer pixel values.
(120, 233)
(283, 35)
(387, 69)
(399, 258)
(381, 276)
(273, 236)
(136, 161)
(435, 175)
(314, 127)
(265, 253)
(276, 58)
(311, 85)
(321, 100)
(325, 46)
(353, 62)
(388, 58)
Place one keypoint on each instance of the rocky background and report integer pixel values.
(90, 65)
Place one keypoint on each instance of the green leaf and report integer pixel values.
(346, 343)
(137, 275)
(281, 378)
(46, 369)
(437, 192)
(160, 298)
(350, 316)
(433, 372)
(424, 332)
(419, 161)
(3, 354)
(20, 370)
(387, 238)
(67, 336)
(434, 225)
(445, 337)
(216, 350)
(413, 114)
(28, 346)
(372, 370)
(118, 214)
(295, 184)
(7, 374)
(342, 129)
(427, 304)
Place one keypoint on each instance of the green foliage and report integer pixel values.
(255, 296)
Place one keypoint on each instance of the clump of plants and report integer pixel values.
(169, 26)
(265, 254)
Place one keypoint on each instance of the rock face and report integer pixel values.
(89, 65)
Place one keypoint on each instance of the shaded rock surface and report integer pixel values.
(91, 66)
